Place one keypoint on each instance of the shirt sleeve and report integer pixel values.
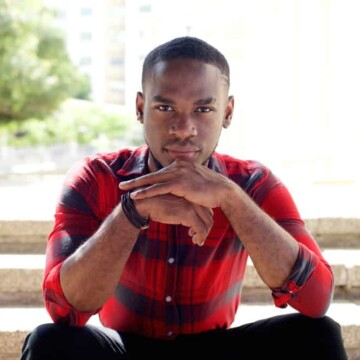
(309, 288)
(305, 289)
(77, 217)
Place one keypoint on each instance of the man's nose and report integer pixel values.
(183, 126)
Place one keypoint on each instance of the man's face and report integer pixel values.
(183, 108)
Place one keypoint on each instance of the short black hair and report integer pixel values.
(186, 47)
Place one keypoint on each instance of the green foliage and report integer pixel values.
(36, 73)
(78, 121)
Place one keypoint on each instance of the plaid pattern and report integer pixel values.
(169, 286)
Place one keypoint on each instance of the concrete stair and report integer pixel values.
(22, 247)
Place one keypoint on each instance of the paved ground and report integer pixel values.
(34, 197)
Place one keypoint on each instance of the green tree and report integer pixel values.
(36, 74)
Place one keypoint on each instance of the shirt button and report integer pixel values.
(168, 298)
(171, 260)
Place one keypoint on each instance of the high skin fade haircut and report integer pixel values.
(186, 47)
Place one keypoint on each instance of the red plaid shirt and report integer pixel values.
(169, 286)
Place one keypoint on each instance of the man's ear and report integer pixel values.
(229, 111)
(140, 106)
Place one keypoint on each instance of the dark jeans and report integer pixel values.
(291, 336)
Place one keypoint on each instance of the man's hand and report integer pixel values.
(170, 209)
(181, 193)
(195, 183)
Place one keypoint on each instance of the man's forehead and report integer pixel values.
(183, 64)
(179, 67)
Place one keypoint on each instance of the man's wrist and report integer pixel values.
(132, 214)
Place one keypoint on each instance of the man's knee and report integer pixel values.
(325, 325)
(42, 341)
(57, 341)
(326, 337)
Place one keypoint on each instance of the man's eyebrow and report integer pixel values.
(205, 101)
(159, 98)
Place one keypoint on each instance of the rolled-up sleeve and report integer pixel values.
(307, 287)
(78, 216)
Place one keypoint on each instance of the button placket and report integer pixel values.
(172, 316)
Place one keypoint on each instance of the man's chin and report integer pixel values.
(156, 164)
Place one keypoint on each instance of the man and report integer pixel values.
(155, 239)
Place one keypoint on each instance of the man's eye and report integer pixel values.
(165, 108)
(203, 109)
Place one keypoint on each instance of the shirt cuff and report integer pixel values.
(305, 264)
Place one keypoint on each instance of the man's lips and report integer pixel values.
(182, 152)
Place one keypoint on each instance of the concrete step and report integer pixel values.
(24, 236)
(29, 236)
(21, 278)
(15, 323)
(335, 232)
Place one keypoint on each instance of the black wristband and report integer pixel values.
(131, 213)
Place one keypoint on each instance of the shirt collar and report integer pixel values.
(136, 164)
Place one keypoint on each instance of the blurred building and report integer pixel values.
(95, 34)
